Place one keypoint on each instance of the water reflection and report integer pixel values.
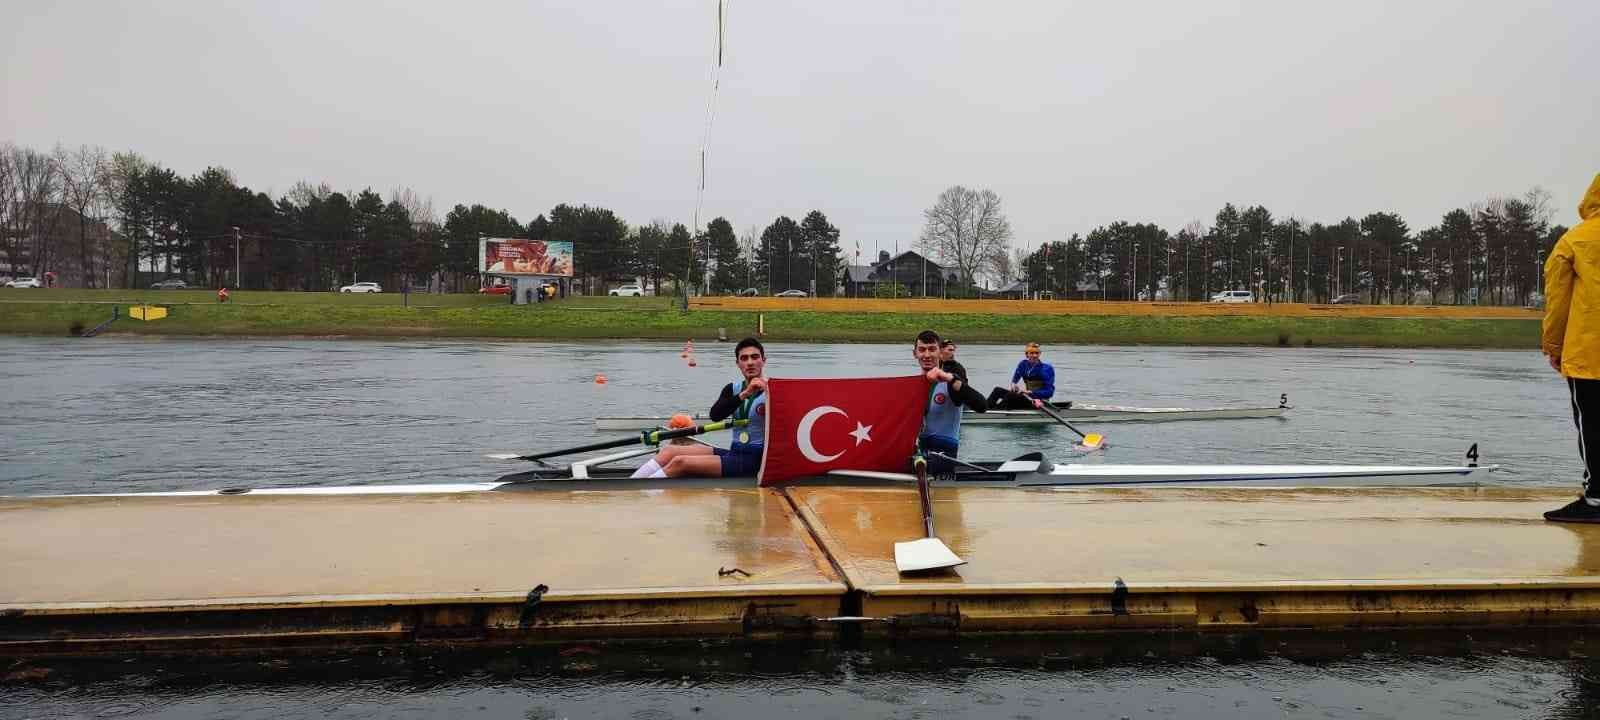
(1488, 675)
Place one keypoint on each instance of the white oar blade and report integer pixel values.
(502, 456)
(924, 554)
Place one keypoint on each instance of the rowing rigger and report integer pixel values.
(1071, 411)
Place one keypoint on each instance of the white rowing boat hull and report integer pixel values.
(1076, 413)
(1059, 476)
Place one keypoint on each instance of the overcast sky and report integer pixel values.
(1076, 113)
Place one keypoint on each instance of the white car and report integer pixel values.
(627, 291)
(1234, 296)
(362, 287)
(27, 282)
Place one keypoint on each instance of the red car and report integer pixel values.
(495, 290)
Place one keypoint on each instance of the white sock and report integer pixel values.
(648, 469)
(1593, 502)
(659, 473)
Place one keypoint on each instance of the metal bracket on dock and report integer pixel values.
(531, 606)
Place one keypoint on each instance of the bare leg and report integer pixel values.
(698, 465)
(664, 457)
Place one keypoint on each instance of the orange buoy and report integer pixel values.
(599, 379)
(681, 420)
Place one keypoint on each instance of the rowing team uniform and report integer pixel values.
(941, 424)
(742, 458)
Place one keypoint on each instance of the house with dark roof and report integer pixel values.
(918, 275)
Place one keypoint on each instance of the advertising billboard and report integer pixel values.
(508, 256)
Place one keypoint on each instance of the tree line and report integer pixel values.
(1494, 248)
(212, 231)
(121, 220)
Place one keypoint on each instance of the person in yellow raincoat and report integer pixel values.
(1572, 342)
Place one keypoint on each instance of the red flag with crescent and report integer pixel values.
(817, 425)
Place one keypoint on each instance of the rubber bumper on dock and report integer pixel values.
(125, 573)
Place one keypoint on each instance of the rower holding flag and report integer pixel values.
(743, 399)
(947, 393)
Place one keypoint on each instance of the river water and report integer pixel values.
(119, 414)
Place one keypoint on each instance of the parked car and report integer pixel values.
(495, 290)
(362, 287)
(25, 282)
(793, 293)
(1347, 299)
(748, 292)
(629, 290)
(170, 284)
(1234, 296)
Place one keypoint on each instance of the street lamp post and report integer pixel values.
(1338, 280)
(236, 237)
(1133, 288)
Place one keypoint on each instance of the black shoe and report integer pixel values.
(1577, 511)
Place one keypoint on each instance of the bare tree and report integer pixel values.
(30, 208)
(419, 208)
(84, 181)
(966, 228)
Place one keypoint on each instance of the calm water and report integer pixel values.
(122, 414)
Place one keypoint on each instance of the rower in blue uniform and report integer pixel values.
(1034, 379)
(947, 394)
(743, 399)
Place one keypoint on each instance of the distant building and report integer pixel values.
(920, 276)
(82, 252)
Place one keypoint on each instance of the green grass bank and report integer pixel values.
(196, 313)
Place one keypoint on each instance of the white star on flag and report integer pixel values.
(861, 433)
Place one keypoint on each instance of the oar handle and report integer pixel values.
(655, 437)
(647, 437)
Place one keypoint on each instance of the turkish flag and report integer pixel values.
(814, 426)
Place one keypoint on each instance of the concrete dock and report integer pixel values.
(82, 574)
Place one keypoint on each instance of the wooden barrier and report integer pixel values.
(924, 306)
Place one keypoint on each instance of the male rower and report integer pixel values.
(947, 360)
(948, 393)
(1034, 379)
(743, 399)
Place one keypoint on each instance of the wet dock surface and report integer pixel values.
(493, 566)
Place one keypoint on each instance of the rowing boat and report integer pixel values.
(1029, 471)
(1071, 411)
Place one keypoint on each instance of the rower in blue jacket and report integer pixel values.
(1034, 379)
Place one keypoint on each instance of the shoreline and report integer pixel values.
(469, 318)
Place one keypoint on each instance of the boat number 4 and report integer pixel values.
(1472, 455)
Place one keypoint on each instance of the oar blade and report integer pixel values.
(503, 456)
(924, 555)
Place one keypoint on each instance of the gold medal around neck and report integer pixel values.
(744, 437)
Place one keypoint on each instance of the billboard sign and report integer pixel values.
(508, 256)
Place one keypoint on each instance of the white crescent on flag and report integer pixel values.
(802, 434)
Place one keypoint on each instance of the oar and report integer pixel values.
(929, 553)
(1091, 440)
(645, 437)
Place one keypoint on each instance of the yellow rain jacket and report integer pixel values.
(1572, 293)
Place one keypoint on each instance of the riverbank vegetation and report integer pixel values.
(196, 313)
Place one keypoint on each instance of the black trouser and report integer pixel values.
(1586, 414)
(1004, 399)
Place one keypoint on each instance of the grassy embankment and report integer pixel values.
(56, 312)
